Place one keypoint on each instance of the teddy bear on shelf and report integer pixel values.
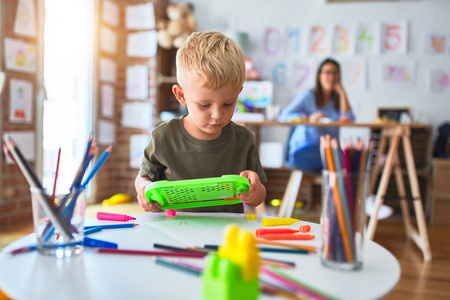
(180, 24)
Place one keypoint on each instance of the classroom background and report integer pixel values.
(286, 40)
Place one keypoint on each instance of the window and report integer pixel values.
(68, 68)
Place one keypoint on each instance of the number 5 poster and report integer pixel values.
(394, 38)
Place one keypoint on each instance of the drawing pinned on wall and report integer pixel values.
(25, 141)
(279, 75)
(436, 43)
(257, 94)
(141, 16)
(293, 40)
(138, 142)
(142, 44)
(320, 39)
(439, 80)
(344, 39)
(302, 74)
(137, 115)
(108, 40)
(107, 98)
(106, 132)
(394, 37)
(137, 82)
(25, 22)
(20, 56)
(273, 41)
(368, 39)
(107, 70)
(401, 75)
(354, 73)
(21, 96)
(110, 13)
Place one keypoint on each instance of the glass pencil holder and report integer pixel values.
(58, 223)
(343, 219)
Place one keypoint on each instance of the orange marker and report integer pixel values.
(287, 236)
(305, 228)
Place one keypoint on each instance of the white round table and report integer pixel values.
(105, 276)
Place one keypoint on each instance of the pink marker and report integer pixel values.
(114, 217)
(170, 213)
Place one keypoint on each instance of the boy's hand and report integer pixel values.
(140, 184)
(257, 192)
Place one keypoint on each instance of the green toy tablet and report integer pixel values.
(201, 192)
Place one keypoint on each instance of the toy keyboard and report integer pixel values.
(201, 192)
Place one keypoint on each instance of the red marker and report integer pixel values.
(263, 231)
(284, 236)
(114, 217)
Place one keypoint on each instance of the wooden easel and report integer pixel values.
(396, 133)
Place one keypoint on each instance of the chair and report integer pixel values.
(295, 180)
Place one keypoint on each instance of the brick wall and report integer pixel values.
(15, 199)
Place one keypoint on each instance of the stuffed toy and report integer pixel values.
(180, 24)
(251, 73)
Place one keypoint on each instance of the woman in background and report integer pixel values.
(327, 102)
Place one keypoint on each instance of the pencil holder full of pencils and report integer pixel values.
(59, 222)
(343, 219)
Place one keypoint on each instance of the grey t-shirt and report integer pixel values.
(173, 154)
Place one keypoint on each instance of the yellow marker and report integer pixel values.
(278, 221)
(117, 199)
(251, 217)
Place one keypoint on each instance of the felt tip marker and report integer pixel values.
(287, 236)
(114, 217)
(278, 221)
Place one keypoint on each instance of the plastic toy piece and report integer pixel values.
(201, 192)
(232, 273)
(251, 217)
(170, 213)
(117, 199)
(278, 221)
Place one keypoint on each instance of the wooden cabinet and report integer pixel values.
(166, 78)
(441, 192)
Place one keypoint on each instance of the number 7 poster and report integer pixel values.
(394, 38)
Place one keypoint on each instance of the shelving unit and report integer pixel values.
(166, 78)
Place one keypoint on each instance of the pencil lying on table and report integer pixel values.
(149, 253)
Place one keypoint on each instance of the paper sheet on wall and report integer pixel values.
(142, 44)
(344, 39)
(436, 43)
(140, 16)
(368, 38)
(138, 142)
(110, 13)
(137, 82)
(106, 132)
(320, 39)
(107, 96)
(108, 40)
(20, 104)
(394, 38)
(107, 70)
(439, 80)
(25, 141)
(137, 115)
(354, 73)
(2, 81)
(20, 56)
(25, 22)
(398, 75)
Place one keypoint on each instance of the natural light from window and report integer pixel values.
(67, 122)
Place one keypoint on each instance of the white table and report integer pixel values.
(106, 276)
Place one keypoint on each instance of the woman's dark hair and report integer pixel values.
(319, 94)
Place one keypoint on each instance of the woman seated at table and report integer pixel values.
(327, 102)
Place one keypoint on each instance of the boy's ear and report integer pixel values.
(179, 94)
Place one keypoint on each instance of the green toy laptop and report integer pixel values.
(201, 192)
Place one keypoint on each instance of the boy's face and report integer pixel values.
(209, 110)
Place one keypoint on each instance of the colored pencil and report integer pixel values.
(270, 289)
(172, 248)
(149, 253)
(177, 266)
(267, 249)
(97, 166)
(56, 175)
(113, 226)
(289, 245)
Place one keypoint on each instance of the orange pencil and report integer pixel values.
(56, 174)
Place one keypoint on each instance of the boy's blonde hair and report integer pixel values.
(213, 58)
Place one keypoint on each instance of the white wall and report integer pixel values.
(422, 16)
